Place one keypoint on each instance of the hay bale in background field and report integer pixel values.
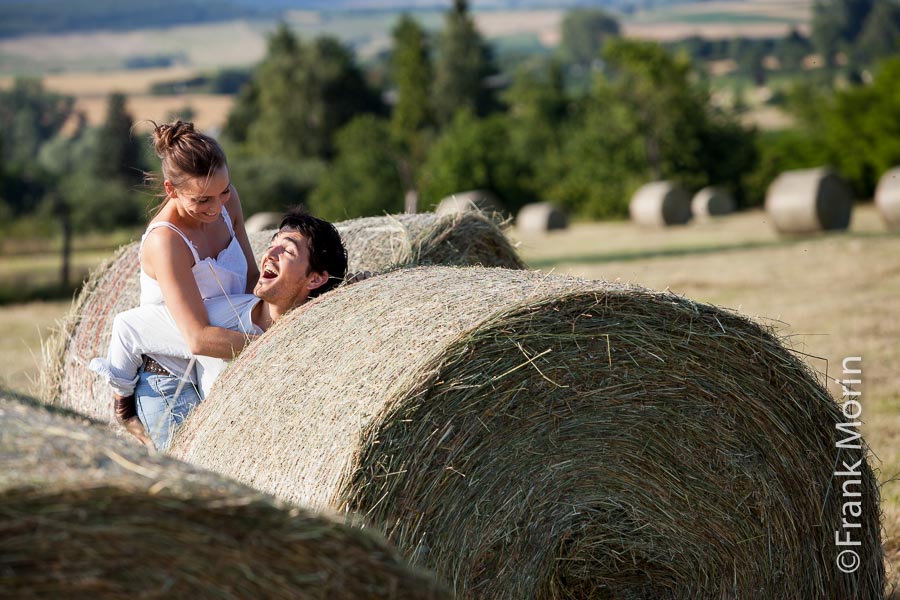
(263, 221)
(478, 200)
(887, 197)
(534, 436)
(373, 244)
(660, 203)
(808, 201)
(380, 243)
(84, 514)
(541, 217)
(712, 201)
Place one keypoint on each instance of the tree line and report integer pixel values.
(583, 128)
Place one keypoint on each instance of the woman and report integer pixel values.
(195, 247)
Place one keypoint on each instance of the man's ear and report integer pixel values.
(317, 280)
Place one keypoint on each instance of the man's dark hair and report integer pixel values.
(326, 250)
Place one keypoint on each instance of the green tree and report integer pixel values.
(117, 154)
(537, 112)
(29, 116)
(412, 74)
(837, 23)
(862, 128)
(273, 183)
(474, 153)
(880, 35)
(792, 49)
(463, 63)
(364, 179)
(300, 95)
(646, 120)
(583, 33)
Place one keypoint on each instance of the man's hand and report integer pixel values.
(133, 426)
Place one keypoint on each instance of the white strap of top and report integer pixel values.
(176, 230)
(184, 237)
(227, 220)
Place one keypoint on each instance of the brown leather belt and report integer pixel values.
(151, 366)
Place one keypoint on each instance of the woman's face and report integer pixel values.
(202, 198)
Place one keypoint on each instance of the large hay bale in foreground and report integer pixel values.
(887, 197)
(808, 201)
(541, 217)
(660, 203)
(534, 436)
(373, 244)
(712, 201)
(83, 514)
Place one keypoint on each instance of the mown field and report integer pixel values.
(829, 296)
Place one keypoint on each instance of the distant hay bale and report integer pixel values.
(887, 197)
(263, 221)
(541, 217)
(373, 244)
(478, 200)
(808, 201)
(532, 436)
(84, 514)
(660, 203)
(712, 201)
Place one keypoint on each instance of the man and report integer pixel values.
(305, 259)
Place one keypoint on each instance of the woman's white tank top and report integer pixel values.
(222, 275)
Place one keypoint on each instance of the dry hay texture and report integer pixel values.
(541, 217)
(84, 514)
(712, 201)
(373, 244)
(659, 204)
(887, 197)
(534, 436)
(809, 201)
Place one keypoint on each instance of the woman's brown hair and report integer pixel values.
(184, 153)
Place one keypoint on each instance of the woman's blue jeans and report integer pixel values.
(157, 407)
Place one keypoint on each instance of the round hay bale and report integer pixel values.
(808, 201)
(660, 203)
(474, 200)
(263, 221)
(373, 244)
(712, 201)
(533, 436)
(83, 514)
(887, 197)
(541, 217)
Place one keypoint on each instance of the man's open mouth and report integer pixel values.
(269, 273)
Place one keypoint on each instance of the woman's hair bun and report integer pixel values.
(167, 135)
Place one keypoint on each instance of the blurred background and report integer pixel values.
(366, 107)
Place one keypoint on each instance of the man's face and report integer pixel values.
(285, 277)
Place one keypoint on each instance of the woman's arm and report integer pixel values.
(166, 258)
(240, 232)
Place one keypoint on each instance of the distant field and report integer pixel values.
(243, 42)
(89, 65)
(210, 111)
